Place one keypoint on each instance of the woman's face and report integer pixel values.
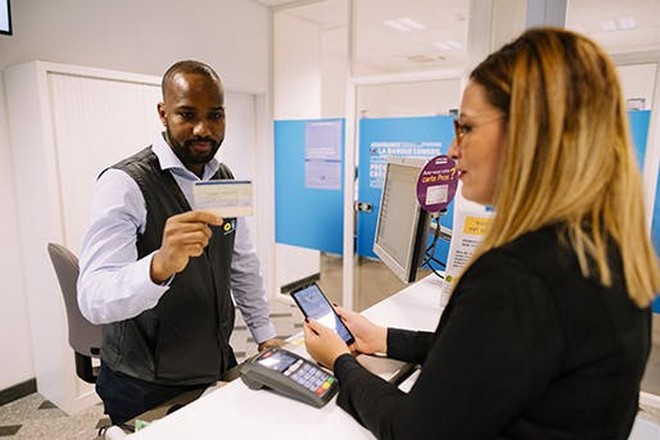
(479, 145)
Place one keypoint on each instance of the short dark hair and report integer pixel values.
(188, 66)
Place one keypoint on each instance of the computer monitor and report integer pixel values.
(403, 225)
(5, 17)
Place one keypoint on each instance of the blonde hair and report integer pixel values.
(568, 158)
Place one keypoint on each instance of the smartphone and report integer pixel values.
(314, 304)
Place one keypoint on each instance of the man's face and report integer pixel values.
(193, 113)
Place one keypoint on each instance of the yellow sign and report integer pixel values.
(476, 225)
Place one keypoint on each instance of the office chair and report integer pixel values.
(84, 337)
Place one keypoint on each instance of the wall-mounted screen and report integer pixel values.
(5, 17)
(403, 225)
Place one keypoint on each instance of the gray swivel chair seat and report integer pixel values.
(84, 337)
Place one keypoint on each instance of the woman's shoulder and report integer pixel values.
(547, 254)
(542, 253)
(532, 245)
(547, 237)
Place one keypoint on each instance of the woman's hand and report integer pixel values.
(369, 337)
(269, 343)
(323, 344)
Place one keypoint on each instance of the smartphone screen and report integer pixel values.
(315, 305)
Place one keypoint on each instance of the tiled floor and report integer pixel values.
(35, 418)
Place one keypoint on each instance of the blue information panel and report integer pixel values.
(639, 128)
(424, 137)
(309, 195)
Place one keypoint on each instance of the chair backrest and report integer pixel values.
(84, 337)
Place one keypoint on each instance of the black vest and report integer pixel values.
(184, 340)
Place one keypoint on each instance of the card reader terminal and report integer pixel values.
(290, 375)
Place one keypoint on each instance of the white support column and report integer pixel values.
(348, 259)
(546, 13)
(480, 31)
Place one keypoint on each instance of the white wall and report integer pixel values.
(297, 95)
(141, 37)
(15, 346)
(297, 68)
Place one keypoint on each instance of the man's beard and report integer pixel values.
(186, 153)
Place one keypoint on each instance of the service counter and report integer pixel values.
(235, 411)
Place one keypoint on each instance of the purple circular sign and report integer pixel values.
(436, 185)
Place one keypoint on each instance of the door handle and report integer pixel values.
(363, 207)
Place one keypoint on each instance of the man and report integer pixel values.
(159, 274)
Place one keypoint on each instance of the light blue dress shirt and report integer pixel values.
(114, 285)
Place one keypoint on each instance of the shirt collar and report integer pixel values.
(169, 160)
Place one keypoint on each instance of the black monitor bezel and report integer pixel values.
(9, 31)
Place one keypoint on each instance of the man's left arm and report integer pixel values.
(247, 288)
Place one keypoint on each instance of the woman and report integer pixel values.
(547, 332)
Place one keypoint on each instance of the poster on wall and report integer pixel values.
(323, 151)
